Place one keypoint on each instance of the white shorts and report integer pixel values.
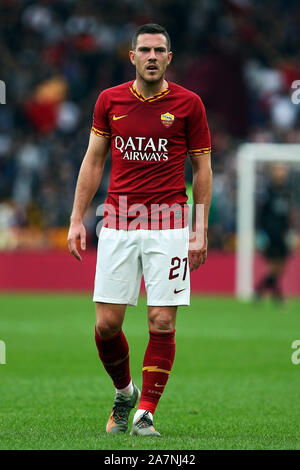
(161, 256)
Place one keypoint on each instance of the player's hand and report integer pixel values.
(197, 254)
(76, 232)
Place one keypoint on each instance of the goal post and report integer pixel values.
(247, 157)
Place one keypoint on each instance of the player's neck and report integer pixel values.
(149, 89)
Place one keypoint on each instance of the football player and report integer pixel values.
(149, 125)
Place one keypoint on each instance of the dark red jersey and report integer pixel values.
(150, 139)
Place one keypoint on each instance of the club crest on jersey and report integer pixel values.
(167, 119)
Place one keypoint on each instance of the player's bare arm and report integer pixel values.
(202, 192)
(89, 179)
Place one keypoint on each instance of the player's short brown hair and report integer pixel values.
(151, 28)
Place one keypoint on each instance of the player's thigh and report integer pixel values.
(109, 318)
(162, 318)
(166, 269)
(118, 269)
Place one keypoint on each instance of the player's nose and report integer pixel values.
(152, 55)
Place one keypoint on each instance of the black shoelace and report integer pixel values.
(144, 421)
(121, 408)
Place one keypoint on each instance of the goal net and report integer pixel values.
(250, 156)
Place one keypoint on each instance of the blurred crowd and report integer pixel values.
(240, 56)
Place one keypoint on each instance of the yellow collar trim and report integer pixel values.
(157, 96)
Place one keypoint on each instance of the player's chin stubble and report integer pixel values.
(152, 79)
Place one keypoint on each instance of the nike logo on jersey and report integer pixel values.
(158, 385)
(115, 118)
(177, 291)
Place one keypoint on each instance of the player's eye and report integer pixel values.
(160, 49)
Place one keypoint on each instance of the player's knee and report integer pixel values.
(105, 328)
(161, 321)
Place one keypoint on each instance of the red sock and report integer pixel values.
(157, 365)
(114, 354)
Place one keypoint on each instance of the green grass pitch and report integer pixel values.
(233, 384)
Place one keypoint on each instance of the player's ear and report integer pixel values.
(170, 56)
(131, 57)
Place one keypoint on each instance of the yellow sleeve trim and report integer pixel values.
(100, 133)
(203, 151)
